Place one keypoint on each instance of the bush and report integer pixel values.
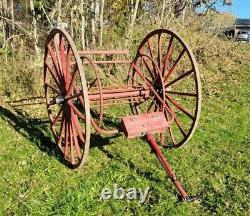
(21, 75)
(22, 71)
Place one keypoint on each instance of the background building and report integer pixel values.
(240, 31)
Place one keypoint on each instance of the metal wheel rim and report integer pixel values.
(195, 72)
(84, 93)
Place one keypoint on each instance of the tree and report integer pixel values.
(12, 15)
(134, 14)
(34, 25)
(101, 22)
(93, 29)
(5, 24)
(210, 3)
(82, 24)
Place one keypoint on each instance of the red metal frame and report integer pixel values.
(149, 79)
(140, 125)
(104, 53)
(120, 94)
(151, 140)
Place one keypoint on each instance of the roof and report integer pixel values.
(242, 22)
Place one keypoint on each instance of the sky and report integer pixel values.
(240, 8)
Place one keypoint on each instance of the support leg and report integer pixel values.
(183, 194)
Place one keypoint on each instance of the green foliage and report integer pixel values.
(21, 75)
(6, 52)
(214, 163)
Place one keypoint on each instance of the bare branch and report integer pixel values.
(19, 26)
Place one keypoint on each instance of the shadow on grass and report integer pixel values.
(38, 132)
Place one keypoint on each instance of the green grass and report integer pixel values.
(215, 164)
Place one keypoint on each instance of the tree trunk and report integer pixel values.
(97, 11)
(184, 14)
(179, 6)
(132, 9)
(227, 2)
(59, 10)
(5, 23)
(56, 10)
(162, 12)
(12, 16)
(32, 9)
(97, 16)
(132, 21)
(72, 22)
(101, 22)
(26, 7)
(93, 22)
(82, 25)
(1, 20)
(45, 13)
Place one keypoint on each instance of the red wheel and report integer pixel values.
(67, 97)
(166, 65)
(95, 88)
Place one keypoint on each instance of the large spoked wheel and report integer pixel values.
(67, 98)
(165, 64)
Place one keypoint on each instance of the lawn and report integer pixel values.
(214, 164)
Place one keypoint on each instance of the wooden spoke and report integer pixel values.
(159, 50)
(53, 75)
(76, 111)
(53, 88)
(72, 156)
(138, 104)
(60, 135)
(54, 60)
(66, 147)
(73, 81)
(180, 127)
(160, 85)
(168, 55)
(157, 96)
(80, 97)
(58, 56)
(182, 93)
(151, 104)
(174, 66)
(58, 115)
(92, 84)
(141, 74)
(68, 60)
(179, 78)
(78, 128)
(171, 134)
(78, 152)
(63, 58)
(170, 128)
(150, 48)
(148, 68)
(181, 108)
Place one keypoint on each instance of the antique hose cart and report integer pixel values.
(162, 88)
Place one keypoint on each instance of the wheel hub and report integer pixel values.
(59, 99)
